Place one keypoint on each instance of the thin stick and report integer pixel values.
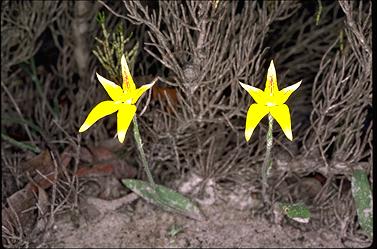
(149, 99)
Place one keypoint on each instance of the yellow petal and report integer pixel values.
(286, 92)
(99, 111)
(281, 115)
(136, 94)
(115, 92)
(128, 82)
(271, 81)
(125, 114)
(258, 95)
(254, 115)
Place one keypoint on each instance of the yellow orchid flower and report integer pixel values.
(271, 100)
(122, 100)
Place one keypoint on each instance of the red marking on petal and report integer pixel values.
(271, 84)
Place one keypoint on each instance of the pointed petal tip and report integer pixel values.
(244, 86)
(121, 136)
(84, 127)
(248, 134)
(123, 58)
(123, 62)
(272, 65)
(247, 87)
(271, 75)
(288, 134)
(297, 84)
(152, 83)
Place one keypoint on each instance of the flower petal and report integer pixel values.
(136, 94)
(115, 92)
(286, 92)
(257, 94)
(281, 114)
(128, 82)
(271, 81)
(125, 114)
(254, 115)
(99, 111)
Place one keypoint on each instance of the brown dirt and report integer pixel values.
(132, 222)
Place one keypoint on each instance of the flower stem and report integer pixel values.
(141, 150)
(267, 160)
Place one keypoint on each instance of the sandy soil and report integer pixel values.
(135, 223)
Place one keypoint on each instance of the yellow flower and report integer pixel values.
(122, 100)
(271, 100)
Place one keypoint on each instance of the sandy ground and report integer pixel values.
(139, 224)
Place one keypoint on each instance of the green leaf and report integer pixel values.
(362, 195)
(296, 211)
(174, 229)
(14, 120)
(164, 197)
(101, 17)
(20, 145)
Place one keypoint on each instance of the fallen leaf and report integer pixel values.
(96, 170)
(166, 95)
(86, 155)
(42, 163)
(14, 215)
(24, 199)
(101, 153)
(105, 163)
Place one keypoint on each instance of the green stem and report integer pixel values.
(318, 14)
(267, 160)
(141, 150)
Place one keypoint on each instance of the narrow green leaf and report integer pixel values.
(164, 197)
(362, 195)
(6, 119)
(20, 145)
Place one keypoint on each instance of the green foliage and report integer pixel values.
(11, 120)
(111, 47)
(318, 12)
(362, 195)
(341, 40)
(21, 145)
(296, 211)
(174, 229)
(164, 197)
